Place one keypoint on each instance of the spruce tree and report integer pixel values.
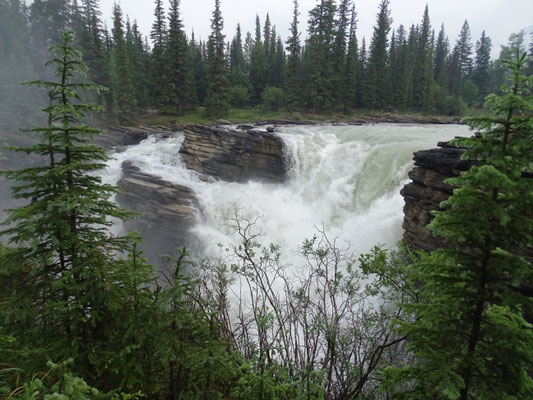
(378, 91)
(342, 27)
(199, 68)
(258, 65)
(352, 66)
(64, 259)
(293, 63)
(481, 75)
(320, 84)
(162, 88)
(179, 60)
(467, 331)
(441, 55)
(217, 102)
(123, 90)
(423, 70)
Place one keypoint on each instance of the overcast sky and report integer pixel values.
(499, 18)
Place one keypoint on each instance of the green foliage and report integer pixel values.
(467, 332)
(273, 99)
(239, 96)
(217, 102)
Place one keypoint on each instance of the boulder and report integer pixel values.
(233, 155)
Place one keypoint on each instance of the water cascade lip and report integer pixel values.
(342, 179)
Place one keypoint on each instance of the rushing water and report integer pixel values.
(342, 179)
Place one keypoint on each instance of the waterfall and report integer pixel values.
(344, 180)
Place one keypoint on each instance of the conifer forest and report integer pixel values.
(85, 315)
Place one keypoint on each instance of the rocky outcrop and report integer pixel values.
(118, 136)
(168, 210)
(233, 155)
(427, 190)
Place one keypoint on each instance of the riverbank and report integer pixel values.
(255, 116)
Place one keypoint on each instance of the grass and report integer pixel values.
(253, 115)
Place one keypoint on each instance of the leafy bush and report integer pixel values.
(273, 99)
(238, 96)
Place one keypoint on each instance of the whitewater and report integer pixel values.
(344, 180)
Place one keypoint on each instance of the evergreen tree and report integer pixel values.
(342, 25)
(378, 91)
(361, 75)
(278, 65)
(123, 90)
(352, 66)
(237, 75)
(481, 74)
(460, 67)
(62, 232)
(162, 88)
(441, 55)
(423, 71)
(293, 63)
(258, 65)
(238, 81)
(467, 330)
(217, 95)
(139, 65)
(179, 61)
(199, 68)
(320, 84)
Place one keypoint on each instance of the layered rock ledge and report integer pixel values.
(233, 155)
(168, 210)
(427, 190)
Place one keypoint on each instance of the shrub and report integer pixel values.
(273, 98)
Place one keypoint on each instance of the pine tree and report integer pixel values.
(320, 83)
(293, 63)
(423, 70)
(65, 259)
(123, 90)
(237, 75)
(352, 67)
(460, 67)
(481, 75)
(378, 91)
(342, 25)
(162, 88)
(258, 65)
(467, 330)
(441, 55)
(199, 69)
(278, 65)
(139, 66)
(217, 95)
(179, 60)
(361, 93)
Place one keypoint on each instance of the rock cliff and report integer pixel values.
(427, 190)
(168, 210)
(233, 155)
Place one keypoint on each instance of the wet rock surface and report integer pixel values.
(168, 210)
(427, 190)
(233, 155)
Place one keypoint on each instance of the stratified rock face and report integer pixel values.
(427, 190)
(168, 210)
(233, 155)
